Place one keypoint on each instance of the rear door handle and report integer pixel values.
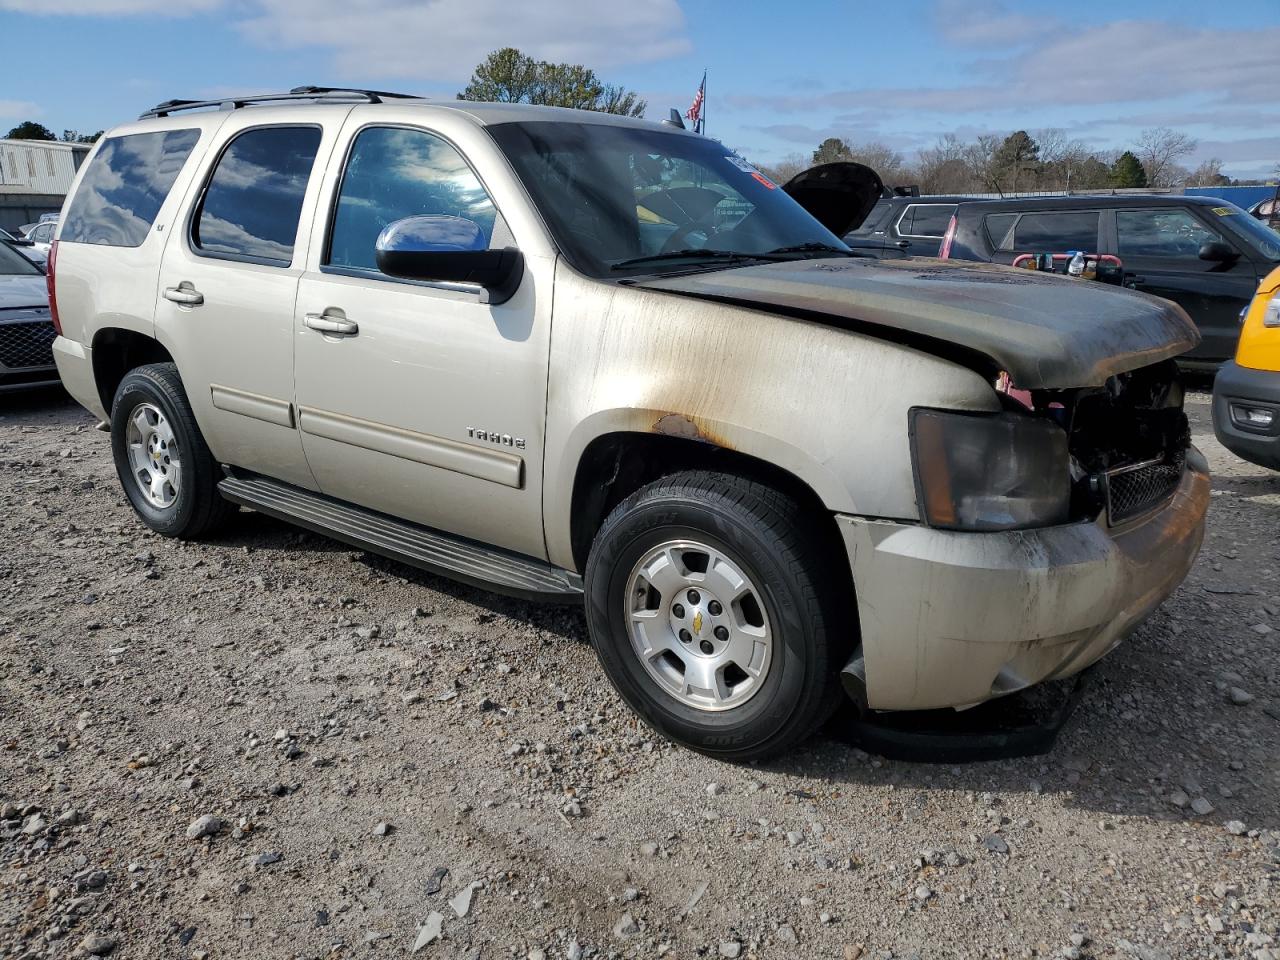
(338, 326)
(185, 294)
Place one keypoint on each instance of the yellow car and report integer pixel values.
(1246, 393)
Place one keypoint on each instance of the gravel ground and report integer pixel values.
(269, 745)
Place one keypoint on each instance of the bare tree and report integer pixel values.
(980, 157)
(786, 168)
(1160, 149)
(1208, 174)
(943, 167)
(881, 158)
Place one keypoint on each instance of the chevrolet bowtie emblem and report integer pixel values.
(697, 622)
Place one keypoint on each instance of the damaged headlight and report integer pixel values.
(989, 471)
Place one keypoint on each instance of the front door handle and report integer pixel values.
(1132, 282)
(338, 326)
(184, 293)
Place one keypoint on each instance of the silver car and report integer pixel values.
(585, 358)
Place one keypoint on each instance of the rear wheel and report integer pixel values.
(164, 465)
(717, 617)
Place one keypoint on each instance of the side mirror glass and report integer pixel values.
(1218, 252)
(445, 249)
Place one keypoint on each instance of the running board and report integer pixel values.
(455, 557)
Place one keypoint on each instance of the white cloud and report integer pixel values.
(110, 8)
(445, 39)
(982, 24)
(1143, 60)
(18, 110)
(439, 40)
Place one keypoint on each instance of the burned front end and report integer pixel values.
(1048, 531)
(1127, 440)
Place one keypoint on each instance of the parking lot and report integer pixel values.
(372, 742)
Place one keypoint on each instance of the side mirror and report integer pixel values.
(1216, 251)
(448, 250)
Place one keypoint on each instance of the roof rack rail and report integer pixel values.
(339, 94)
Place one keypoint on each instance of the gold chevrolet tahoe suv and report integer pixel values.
(585, 358)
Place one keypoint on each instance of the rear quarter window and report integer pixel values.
(926, 220)
(1044, 231)
(124, 187)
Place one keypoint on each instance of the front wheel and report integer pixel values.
(717, 617)
(163, 462)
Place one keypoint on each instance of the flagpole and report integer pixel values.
(703, 119)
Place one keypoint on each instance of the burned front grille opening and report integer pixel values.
(1128, 441)
(27, 344)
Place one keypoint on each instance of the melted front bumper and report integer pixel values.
(951, 619)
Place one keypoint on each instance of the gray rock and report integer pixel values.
(731, 949)
(1201, 807)
(266, 859)
(714, 789)
(923, 893)
(1142, 951)
(97, 944)
(1236, 828)
(787, 934)
(436, 879)
(794, 837)
(995, 843)
(206, 826)
(630, 895)
(1179, 799)
(1240, 696)
(382, 829)
(35, 824)
(625, 927)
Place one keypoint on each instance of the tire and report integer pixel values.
(151, 409)
(799, 593)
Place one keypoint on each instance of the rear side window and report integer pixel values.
(1044, 232)
(124, 187)
(926, 220)
(252, 204)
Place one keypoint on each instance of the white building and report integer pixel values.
(35, 176)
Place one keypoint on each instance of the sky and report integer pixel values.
(779, 78)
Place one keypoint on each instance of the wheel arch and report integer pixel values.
(615, 464)
(116, 351)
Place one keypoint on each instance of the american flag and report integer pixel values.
(695, 110)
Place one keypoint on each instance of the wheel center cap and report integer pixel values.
(696, 623)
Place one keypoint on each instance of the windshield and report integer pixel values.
(12, 263)
(614, 194)
(1257, 233)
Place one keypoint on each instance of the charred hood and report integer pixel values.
(1046, 332)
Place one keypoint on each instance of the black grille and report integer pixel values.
(27, 344)
(1133, 491)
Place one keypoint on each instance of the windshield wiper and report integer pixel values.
(814, 247)
(700, 253)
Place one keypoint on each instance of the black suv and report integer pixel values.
(904, 227)
(1203, 254)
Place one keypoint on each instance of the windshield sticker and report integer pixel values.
(761, 179)
(740, 164)
(1223, 211)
